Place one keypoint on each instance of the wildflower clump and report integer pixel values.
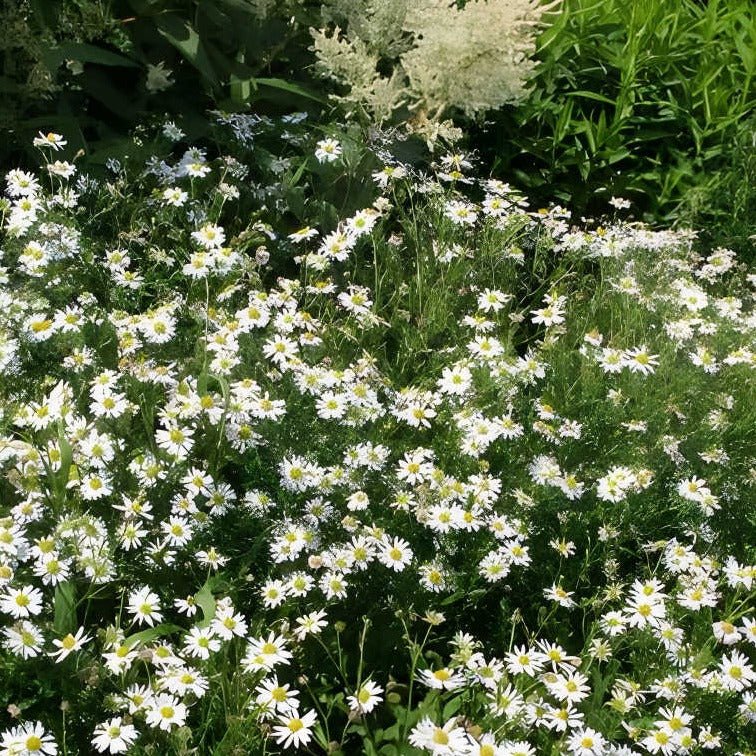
(442, 472)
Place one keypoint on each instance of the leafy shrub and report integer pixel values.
(640, 100)
(645, 104)
(107, 67)
(722, 201)
(38, 39)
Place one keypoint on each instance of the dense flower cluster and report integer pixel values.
(430, 55)
(203, 462)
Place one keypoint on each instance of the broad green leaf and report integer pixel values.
(206, 601)
(451, 708)
(202, 382)
(391, 733)
(451, 599)
(389, 750)
(66, 455)
(148, 635)
(615, 157)
(241, 89)
(182, 35)
(64, 608)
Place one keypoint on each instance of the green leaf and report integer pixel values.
(241, 89)
(145, 636)
(288, 86)
(389, 750)
(451, 708)
(747, 55)
(451, 599)
(615, 157)
(85, 54)
(206, 601)
(64, 608)
(182, 35)
(66, 455)
(391, 733)
(591, 96)
(298, 174)
(563, 122)
(202, 382)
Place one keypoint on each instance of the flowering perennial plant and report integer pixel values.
(464, 479)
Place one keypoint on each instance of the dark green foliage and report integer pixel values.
(644, 100)
(82, 66)
(649, 101)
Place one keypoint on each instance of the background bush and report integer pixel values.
(87, 65)
(652, 100)
(645, 100)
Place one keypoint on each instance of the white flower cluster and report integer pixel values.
(204, 466)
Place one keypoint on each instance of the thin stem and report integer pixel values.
(415, 656)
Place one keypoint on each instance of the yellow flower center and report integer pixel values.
(440, 737)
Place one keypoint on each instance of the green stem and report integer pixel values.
(415, 656)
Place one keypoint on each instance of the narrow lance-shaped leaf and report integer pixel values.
(85, 54)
